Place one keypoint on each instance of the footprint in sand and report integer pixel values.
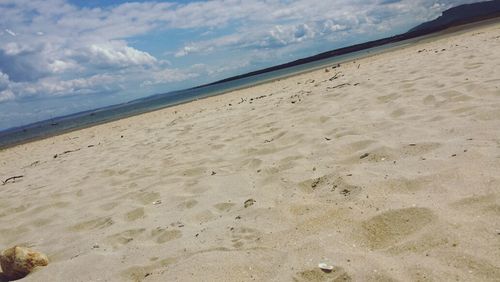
(394, 226)
(122, 238)
(417, 149)
(398, 113)
(189, 204)
(93, 224)
(138, 273)
(408, 185)
(144, 198)
(329, 188)
(134, 214)
(164, 235)
(429, 100)
(244, 236)
(435, 239)
(192, 172)
(358, 146)
(484, 204)
(481, 269)
(388, 98)
(109, 206)
(224, 207)
(251, 163)
(13, 210)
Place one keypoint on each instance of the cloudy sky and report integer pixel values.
(63, 56)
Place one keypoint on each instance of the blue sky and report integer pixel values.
(64, 56)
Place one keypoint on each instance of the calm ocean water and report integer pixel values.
(80, 120)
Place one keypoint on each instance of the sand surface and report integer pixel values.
(387, 168)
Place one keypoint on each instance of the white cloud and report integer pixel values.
(278, 24)
(60, 66)
(117, 54)
(331, 26)
(14, 48)
(52, 48)
(96, 84)
(6, 95)
(292, 34)
(186, 50)
(4, 81)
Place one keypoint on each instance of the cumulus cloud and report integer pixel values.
(52, 48)
(116, 54)
(6, 95)
(22, 64)
(53, 87)
(4, 81)
(292, 22)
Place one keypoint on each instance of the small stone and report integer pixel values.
(249, 203)
(157, 202)
(315, 183)
(364, 155)
(17, 262)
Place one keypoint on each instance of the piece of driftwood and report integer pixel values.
(13, 178)
(339, 86)
(335, 76)
(65, 152)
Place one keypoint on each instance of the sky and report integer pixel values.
(59, 57)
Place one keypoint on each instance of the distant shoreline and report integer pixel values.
(423, 38)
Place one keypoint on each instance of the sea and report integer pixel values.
(59, 125)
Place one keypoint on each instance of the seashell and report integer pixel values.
(325, 267)
(17, 262)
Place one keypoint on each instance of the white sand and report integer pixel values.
(424, 205)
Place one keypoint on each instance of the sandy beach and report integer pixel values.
(387, 168)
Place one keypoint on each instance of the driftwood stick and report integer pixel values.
(13, 178)
(66, 152)
(335, 76)
(339, 86)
